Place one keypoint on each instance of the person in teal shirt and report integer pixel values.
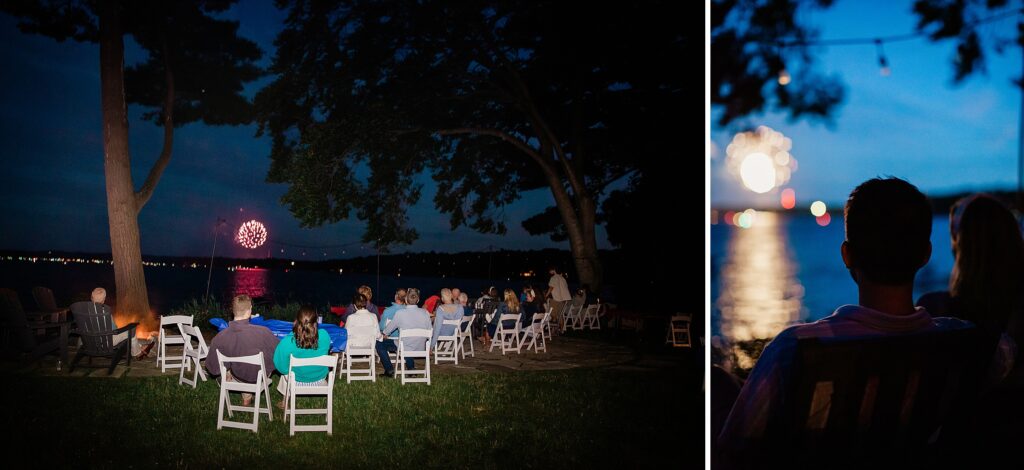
(306, 340)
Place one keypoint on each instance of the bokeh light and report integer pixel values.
(758, 172)
(760, 159)
(251, 234)
(823, 220)
(788, 198)
(818, 208)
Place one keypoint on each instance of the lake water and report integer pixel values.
(787, 269)
(169, 287)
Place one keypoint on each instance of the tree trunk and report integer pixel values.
(129, 278)
(587, 260)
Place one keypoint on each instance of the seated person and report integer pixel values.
(412, 316)
(510, 305)
(430, 305)
(368, 293)
(243, 339)
(490, 296)
(579, 299)
(389, 313)
(306, 340)
(988, 272)
(362, 328)
(448, 310)
(888, 229)
(531, 304)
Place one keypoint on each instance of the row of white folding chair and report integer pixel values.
(171, 338)
(260, 389)
(192, 355)
(323, 387)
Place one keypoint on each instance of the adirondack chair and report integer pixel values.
(873, 400)
(30, 332)
(100, 336)
(45, 300)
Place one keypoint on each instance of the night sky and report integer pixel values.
(914, 123)
(52, 185)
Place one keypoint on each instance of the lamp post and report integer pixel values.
(216, 231)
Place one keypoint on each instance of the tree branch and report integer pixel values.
(143, 194)
(519, 143)
(600, 187)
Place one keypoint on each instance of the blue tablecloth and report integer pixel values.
(281, 328)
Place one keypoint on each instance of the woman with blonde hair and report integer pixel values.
(510, 305)
(448, 310)
(306, 340)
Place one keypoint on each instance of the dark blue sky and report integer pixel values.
(52, 185)
(914, 123)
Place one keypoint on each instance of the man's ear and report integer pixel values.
(844, 249)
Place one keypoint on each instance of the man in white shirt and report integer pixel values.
(558, 294)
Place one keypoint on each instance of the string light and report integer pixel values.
(883, 62)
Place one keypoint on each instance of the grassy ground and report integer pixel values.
(582, 417)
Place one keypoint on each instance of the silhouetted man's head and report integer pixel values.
(888, 231)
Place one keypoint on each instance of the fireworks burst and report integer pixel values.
(761, 159)
(251, 234)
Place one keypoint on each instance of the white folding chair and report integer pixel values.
(465, 333)
(447, 347)
(260, 389)
(679, 331)
(590, 318)
(165, 339)
(404, 353)
(363, 355)
(507, 337)
(322, 387)
(547, 323)
(535, 331)
(572, 318)
(192, 356)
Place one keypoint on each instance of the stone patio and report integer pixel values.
(564, 352)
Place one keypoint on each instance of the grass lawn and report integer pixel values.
(581, 417)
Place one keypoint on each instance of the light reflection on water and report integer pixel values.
(252, 282)
(763, 295)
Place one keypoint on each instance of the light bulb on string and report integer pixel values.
(784, 77)
(883, 62)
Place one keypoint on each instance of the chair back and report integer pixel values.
(172, 321)
(44, 299)
(259, 389)
(327, 360)
(9, 302)
(870, 398)
(95, 324)
(299, 388)
(191, 333)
